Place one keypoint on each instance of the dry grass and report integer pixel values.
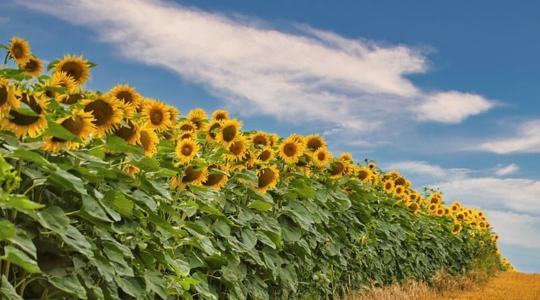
(473, 286)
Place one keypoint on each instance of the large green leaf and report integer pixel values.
(8, 291)
(69, 284)
(21, 259)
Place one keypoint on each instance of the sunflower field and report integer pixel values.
(114, 195)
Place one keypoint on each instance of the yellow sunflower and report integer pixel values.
(456, 206)
(173, 114)
(8, 97)
(364, 174)
(372, 166)
(265, 155)
(260, 139)
(80, 124)
(192, 176)
(128, 97)
(186, 150)
(267, 178)
(230, 130)
(388, 186)
(321, 157)
(106, 111)
(187, 135)
(157, 115)
(413, 207)
(346, 157)
(291, 149)
(314, 142)
(273, 138)
(27, 125)
(131, 170)
(60, 80)
(456, 228)
(216, 180)
(19, 50)
(220, 115)
(212, 130)
(130, 132)
(148, 140)
(237, 149)
(75, 66)
(33, 67)
(399, 190)
(337, 169)
(197, 116)
(187, 126)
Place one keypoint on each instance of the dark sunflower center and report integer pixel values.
(126, 132)
(102, 111)
(314, 144)
(337, 168)
(191, 174)
(362, 175)
(73, 69)
(17, 51)
(289, 149)
(74, 124)
(31, 66)
(156, 116)
(266, 177)
(265, 155)
(197, 122)
(187, 127)
(186, 150)
(213, 179)
(260, 140)
(73, 98)
(236, 148)
(3, 94)
(125, 96)
(229, 133)
(21, 119)
(321, 156)
(220, 117)
(388, 186)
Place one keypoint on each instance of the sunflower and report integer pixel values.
(192, 176)
(265, 155)
(363, 174)
(435, 198)
(187, 126)
(33, 67)
(291, 149)
(321, 157)
(75, 66)
(130, 132)
(267, 178)
(237, 149)
(8, 97)
(372, 166)
(106, 111)
(148, 140)
(220, 115)
(80, 124)
(22, 124)
(388, 186)
(19, 50)
(346, 157)
(157, 115)
(314, 142)
(440, 211)
(413, 207)
(212, 130)
(187, 135)
(230, 130)
(128, 97)
(399, 190)
(260, 139)
(197, 116)
(216, 180)
(186, 150)
(173, 114)
(60, 80)
(460, 216)
(273, 138)
(337, 169)
(456, 228)
(131, 170)
(456, 206)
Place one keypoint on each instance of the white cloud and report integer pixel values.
(422, 168)
(525, 140)
(306, 76)
(506, 170)
(452, 107)
(516, 229)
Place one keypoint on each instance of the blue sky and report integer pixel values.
(446, 92)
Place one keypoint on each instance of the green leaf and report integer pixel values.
(24, 242)
(64, 179)
(20, 258)
(119, 145)
(156, 283)
(69, 284)
(147, 164)
(20, 203)
(130, 286)
(261, 205)
(52, 64)
(119, 202)
(32, 156)
(53, 218)
(94, 209)
(7, 230)
(8, 291)
(59, 131)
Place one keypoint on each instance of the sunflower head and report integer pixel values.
(8, 97)
(267, 178)
(260, 139)
(212, 130)
(314, 142)
(128, 97)
(33, 67)
(364, 174)
(399, 190)
(187, 126)
(230, 130)
(186, 150)
(79, 124)
(106, 111)
(24, 124)
(60, 80)
(273, 139)
(187, 135)
(194, 176)
(346, 157)
(220, 115)
(456, 228)
(197, 116)
(372, 166)
(456, 206)
(337, 169)
(130, 132)
(291, 149)
(131, 170)
(149, 140)
(157, 115)
(321, 157)
(388, 186)
(75, 66)
(265, 155)
(19, 50)
(216, 180)
(237, 149)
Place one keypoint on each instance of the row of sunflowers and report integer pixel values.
(56, 112)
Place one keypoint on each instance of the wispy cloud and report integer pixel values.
(306, 76)
(422, 168)
(506, 170)
(516, 229)
(526, 139)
